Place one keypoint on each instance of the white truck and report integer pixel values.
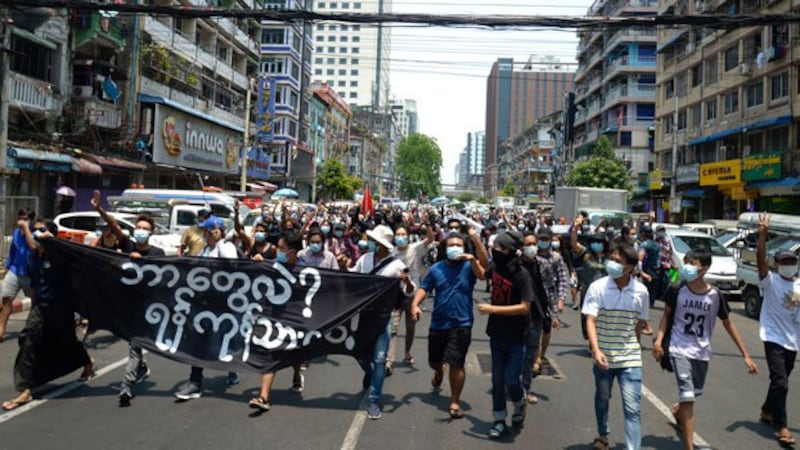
(611, 204)
(504, 202)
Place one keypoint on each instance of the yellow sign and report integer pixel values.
(721, 173)
(656, 180)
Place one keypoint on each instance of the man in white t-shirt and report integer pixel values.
(779, 329)
(694, 307)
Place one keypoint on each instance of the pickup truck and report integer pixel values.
(175, 215)
(747, 271)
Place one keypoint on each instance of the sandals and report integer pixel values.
(259, 403)
(16, 403)
(532, 398)
(87, 376)
(456, 413)
(786, 440)
(408, 360)
(436, 381)
(498, 429)
(600, 444)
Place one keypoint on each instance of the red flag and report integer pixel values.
(367, 207)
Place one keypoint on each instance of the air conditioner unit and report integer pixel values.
(82, 91)
(745, 69)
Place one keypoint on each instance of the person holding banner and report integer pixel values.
(379, 261)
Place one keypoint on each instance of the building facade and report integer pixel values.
(337, 122)
(405, 116)
(471, 162)
(530, 159)
(615, 85)
(517, 95)
(734, 93)
(354, 58)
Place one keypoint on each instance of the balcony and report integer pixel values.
(626, 62)
(632, 6)
(32, 94)
(102, 31)
(631, 34)
(97, 112)
(636, 91)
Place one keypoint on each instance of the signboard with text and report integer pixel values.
(265, 110)
(688, 173)
(721, 173)
(764, 166)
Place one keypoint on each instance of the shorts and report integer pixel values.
(691, 376)
(449, 346)
(13, 283)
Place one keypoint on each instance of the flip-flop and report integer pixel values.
(14, 404)
(87, 377)
(456, 413)
(786, 441)
(259, 403)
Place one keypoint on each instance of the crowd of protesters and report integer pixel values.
(532, 265)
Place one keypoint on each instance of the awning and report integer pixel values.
(268, 186)
(716, 136)
(786, 182)
(670, 41)
(115, 163)
(256, 187)
(191, 111)
(38, 155)
(695, 193)
(85, 166)
(775, 121)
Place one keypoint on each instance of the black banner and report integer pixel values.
(225, 314)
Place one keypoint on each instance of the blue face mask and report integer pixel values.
(282, 257)
(661, 235)
(454, 252)
(140, 236)
(614, 269)
(689, 272)
(338, 234)
(372, 246)
(401, 241)
(543, 244)
(325, 229)
(315, 247)
(363, 245)
(260, 236)
(597, 247)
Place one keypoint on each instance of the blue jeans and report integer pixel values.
(630, 386)
(377, 365)
(507, 360)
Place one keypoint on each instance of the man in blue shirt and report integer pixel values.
(22, 245)
(452, 280)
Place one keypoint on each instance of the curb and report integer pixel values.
(20, 305)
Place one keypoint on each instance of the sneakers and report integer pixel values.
(125, 395)
(141, 374)
(373, 411)
(298, 383)
(576, 306)
(233, 379)
(497, 430)
(189, 391)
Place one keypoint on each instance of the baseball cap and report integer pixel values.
(203, 212)
(786, 256)
(212, 223)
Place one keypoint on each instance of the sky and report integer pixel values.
(446, 69)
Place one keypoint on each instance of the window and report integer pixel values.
(353, 83)
(343, 72)
(222, 53)
(320, 38)
(710, 70)
(669, 88)
(353, 95)
(331, 38)
(270, 36)
(321, 27)
(319, 49)
(625, 139)
(344, 27)
(333, 5)
(731, 102)
(779, 86)
(645, 111)
(321, 5)
(668, 124)
(357, 5)
(272, 65)
(331, 60)
(778, 139)
(682, 120)
(332, 28)
(354, 61)
(342, 60)
(330, 72)
(317, 60)
(752, 46)
(754, 94)
(342, 49)
(331, 49)
(341, 83)
(342, 38)
(354, 72)
(732, 57)
(356, 39)
(31, 59)
(295, 72)
(681, 84)
(345, 5)
(357, 27)
(355, 50)
(697, 75)
(317, 71)
(711, 110)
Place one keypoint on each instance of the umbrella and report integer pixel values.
(286, 192)
(65, 191)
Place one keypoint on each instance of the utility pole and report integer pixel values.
(5, 67)
(246, 145)
(674, 181)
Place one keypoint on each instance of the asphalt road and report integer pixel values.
(328, 414)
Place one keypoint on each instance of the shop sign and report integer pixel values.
(764, 166)
(688, 173)
(689, 203)
(656, 180)
(187, 141)
(721, 173)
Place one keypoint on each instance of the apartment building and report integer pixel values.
(530, 159)
(735, 95)
(471, 162)
(615, 85)
(406, 118)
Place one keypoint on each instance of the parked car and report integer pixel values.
(90, 221)
(722, 273)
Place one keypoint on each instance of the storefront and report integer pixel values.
(762, 172)
(692, 197)
(40, 174)
(659, 194)
(730, 197)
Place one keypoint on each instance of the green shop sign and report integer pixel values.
(764, 166)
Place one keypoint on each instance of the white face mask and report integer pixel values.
(530, 251)
(788, 271)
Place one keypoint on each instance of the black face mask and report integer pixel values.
(502, 259)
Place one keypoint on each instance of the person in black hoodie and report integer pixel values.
(509, 320)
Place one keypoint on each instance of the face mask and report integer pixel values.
(661, 235)
(521, 227)
(502, 259)
(689, 273)
(454, 252)
(98, 233)
(401, 241)
(632, 239)
(315, 247)
(543, 244)
(502, 230)
(372, 246)
(282, 257)
(264, 213)
(788, 271)
(325, 230)
(37, 235)
(260, 236)
(614, 269)
(529, 251)
(140, 236)
(338, 234)
(363, 245)
(555, 245)
(294, 216)
(597, 247)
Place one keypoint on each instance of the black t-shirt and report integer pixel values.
(130, 247)
(539, 308)
(510, 289)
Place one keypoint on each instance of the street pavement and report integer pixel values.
(328, 414)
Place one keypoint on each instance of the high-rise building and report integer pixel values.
(471, 162)
(735, 138)
(516, 95)
(615, 85)
(405, 114)
(354, 58)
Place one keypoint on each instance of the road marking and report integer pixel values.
(351, 438)
(69, 387)
(666, 411)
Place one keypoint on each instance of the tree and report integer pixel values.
(465, 197)
(419, 164)
(334, 183)
(509, 190)
(603, 170)
(483, 200)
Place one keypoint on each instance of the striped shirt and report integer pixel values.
(617, 312)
